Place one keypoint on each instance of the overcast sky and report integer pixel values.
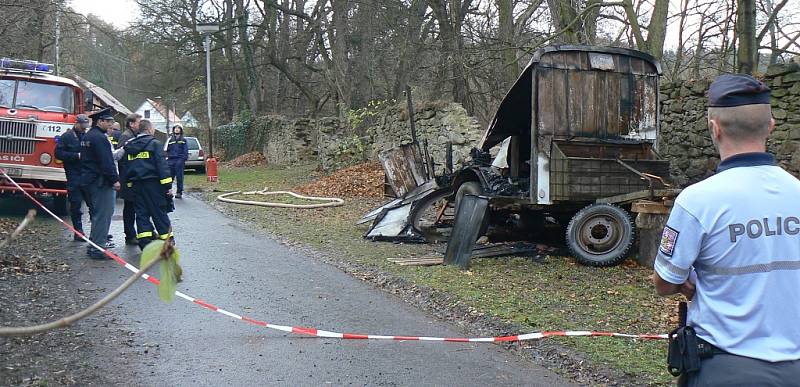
(119, 13)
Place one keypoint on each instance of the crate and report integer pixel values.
(588, 171)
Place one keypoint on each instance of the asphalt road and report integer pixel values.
(246, 272)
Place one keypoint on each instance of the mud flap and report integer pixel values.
(469, 218)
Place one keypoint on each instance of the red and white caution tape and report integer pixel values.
(328, 334)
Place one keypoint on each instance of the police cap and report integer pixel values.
(731, 90)
(82, 119)
(105, 114)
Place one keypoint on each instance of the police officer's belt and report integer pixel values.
(686, 350)
(706, 349)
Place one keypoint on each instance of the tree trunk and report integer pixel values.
(252, 84)
(676, 69)
(450, 24)
(698, 52)
(505, 31)
(657, 30)
(746, 33)
(339, 53)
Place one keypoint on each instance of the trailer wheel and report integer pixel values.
(426, 219)
(600, 235)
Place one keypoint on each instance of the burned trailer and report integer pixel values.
(577, 139)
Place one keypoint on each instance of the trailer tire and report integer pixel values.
(601, 235)
(472, 188)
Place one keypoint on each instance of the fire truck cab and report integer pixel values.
(35, 108)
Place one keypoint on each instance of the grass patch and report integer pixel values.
(558, 294)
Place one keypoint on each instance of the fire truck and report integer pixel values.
(35, 108)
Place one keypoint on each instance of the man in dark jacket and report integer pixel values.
(68, 150)
(114, 135)
(149, 180)
(177, 153)
(128, 211)
(99, 178)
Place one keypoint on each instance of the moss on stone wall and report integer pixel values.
(684, 137)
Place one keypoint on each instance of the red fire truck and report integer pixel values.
(35, 108)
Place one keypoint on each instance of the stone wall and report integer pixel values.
(335, 143)
(684, 137)
(283, 141)
(438, 123)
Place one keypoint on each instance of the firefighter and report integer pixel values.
(128, 212)
(99, 179)
(149, 180)
(177, 153)
(68, 150)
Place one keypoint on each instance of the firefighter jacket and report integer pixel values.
(97, 161)
(114, 137)
(177, 149)
(124, 193)
(68, 150)
(144, 161)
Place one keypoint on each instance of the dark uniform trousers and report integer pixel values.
(150, 203)
(730, 370)
(75, 198)
(129, 219)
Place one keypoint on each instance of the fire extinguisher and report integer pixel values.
(211, 169)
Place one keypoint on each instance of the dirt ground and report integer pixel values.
(38, 284)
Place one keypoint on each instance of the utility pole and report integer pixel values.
(211, 163)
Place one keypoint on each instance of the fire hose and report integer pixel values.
(327, 202)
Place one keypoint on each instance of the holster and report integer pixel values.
(683, 356)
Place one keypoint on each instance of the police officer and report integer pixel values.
(68, 150)
(732, 246)
(177, 153)
(128, 211)
(149, 180)
(99, 178)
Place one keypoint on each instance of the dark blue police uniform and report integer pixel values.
(177, 154)
(148, 178)
(68, 150)
(98, 176)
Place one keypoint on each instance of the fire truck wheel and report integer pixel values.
(600, 235)
(60, 205)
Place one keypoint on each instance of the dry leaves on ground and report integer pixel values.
(362, 180)
(252, 159)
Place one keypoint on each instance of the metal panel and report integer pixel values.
(469, 219)
(17, 137)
